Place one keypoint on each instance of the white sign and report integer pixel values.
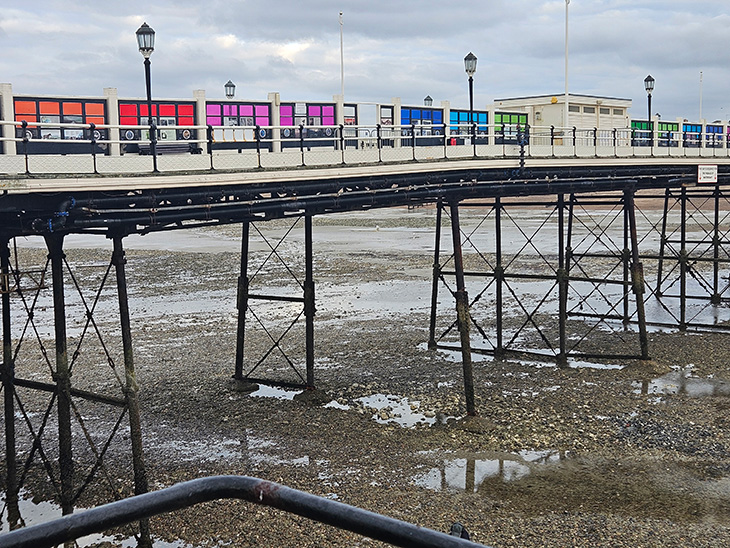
(707, 173)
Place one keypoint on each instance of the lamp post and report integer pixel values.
(427, 101)
(470, 65)
(649, 87)
(230, 88)
(146, 43)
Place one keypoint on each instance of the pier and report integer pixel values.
(623, 244)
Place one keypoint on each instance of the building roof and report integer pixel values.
(560, 96)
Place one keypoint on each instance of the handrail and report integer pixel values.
(323, 145)
(255, 490)
(484, 131)
(583, 136)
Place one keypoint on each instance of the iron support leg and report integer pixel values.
(683, 265)
(569, 249)
(662, 244)
(637, 275)
(499, 277)
(62, 374)
(562, 285)
(309, 308)
(462, 311)
(131, 388)
(715, 299)
(8, 379)
(242, 302)
(569, 243)
(626, 259)
(435, 280)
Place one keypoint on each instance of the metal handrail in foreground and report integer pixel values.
(184, 495)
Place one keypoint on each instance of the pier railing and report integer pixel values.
(123, 149)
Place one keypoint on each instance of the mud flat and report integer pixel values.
(632, 453)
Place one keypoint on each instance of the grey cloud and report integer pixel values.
(408, 49)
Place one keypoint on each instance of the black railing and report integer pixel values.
(321, 146)
(255, 490)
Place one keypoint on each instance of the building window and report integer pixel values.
(618, 112)
(136, 113)
(350, 115)
(54, 111)
(589, 110)
(422, 117)
(573, 108)
(604, 110)
(459, 120)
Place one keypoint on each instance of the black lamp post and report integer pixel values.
(230, 88)
(470, 65)
(146, 43)
(649, 87)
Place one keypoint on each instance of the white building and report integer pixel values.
(585, 111)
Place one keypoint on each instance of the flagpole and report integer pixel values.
(342, 62)
(700, 120)
(567, 110)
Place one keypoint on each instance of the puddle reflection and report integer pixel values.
(681, 381)
(555, 481)
(468, 474)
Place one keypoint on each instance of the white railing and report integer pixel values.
(38, 148)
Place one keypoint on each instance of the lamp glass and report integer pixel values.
(470, 64)
(146, 40)
(230, 88)
(649, 84)
(428, 101)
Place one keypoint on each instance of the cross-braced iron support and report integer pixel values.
(700, 236)
(578, 283)
(69, 475)
(307, 300)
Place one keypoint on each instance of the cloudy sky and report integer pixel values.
(406, 48)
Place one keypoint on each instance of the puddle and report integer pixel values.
(374, 300)
(467, 474)
(535, 483)
(265, 391)
(454, 356)
(576, 364)
(250, 448)
(387, 408)
(334, 404)
(681, 381)
(391, 409)
(200, 451)
(34, 513)
(399, 410)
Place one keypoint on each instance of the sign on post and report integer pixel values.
(707, 173)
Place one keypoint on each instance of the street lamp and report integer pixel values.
(649, 87)
(470, 65)
(230, 89)
(146, 43)
(428, 101)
